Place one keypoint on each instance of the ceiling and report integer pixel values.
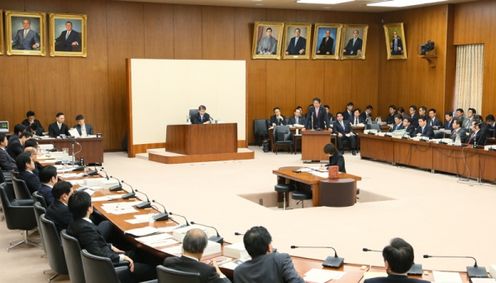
(355, 6)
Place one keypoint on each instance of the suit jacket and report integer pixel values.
(449, 125)
(63, 44)
(399, 44)
(361, 120)
(14, 148)
(36, 127)
(459, 132)
(395, 279)
(491, 131)
(364, 117)
(319, 120)
(479, 137)
(268, 268)
(32, 180)
(467, 123)
(410, 131)
(397, 127)
(326, 47)
(25, 43)
(414, 118)
(337, 160)
(89, 129)
(352, 49)
(295, 49)
(390, 119)
(46, 192)
(197, 119)
(91, 239)
(54, 131)
(426, 132)
(60, 215)
(347, 115)
(7, 163)
(277, 122)
(434, 123)
(340, 129)
(207, 272)
(301, 121)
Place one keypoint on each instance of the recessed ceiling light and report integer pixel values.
(403, 3)
(323, 2)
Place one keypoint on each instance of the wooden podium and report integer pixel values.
(312, 145)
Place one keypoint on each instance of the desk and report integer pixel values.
(313, 142)
(91, 148)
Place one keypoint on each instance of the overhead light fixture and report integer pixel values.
(403, 3)
(323, 2)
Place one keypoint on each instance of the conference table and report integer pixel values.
(90, 149)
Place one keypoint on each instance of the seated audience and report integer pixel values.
(265, 265)
(83, 128)
(348, 112)
(409, 128)
(34, 157)
(467, 122)
(458, 131)
(448, 118)
(335, 158)
(201, 117)
(297, 119)
(357, 118)
(366, 115)
(17, 140)
(344, 134)
(48, 178)
(26, 166)
(478, 137)
(7, 163)
(491, 126)
(194, 243)
(277, 119)
(58, 128)
(433, 121)
(391, 115)
(33, 124)
(424, 130)
(398, 123)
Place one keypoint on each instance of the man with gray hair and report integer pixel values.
(194, 243)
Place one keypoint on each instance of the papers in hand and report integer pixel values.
(321, 275)
(446, 277)
(141, 232)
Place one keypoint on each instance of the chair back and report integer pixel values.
(39, 210)
(21, 190)
(53, 246)
(166, 275)
(192, 112)
(72, 254)
(17, 216)
(39, 198)
(98, 269)
(260, 129)
(282, 134)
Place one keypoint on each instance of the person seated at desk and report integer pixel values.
(391, 115)
(413, 115)
(194, 243)
(201, 117)
(335, 158)
(409, 128)
(344, 134)
(398, 259)
(48, 179)
(433, 121)
(422, 111)
(357, 118)
(277, 119)
(297, 119)
(33, 124)
(26, 166)
(90, 239)
(402, 112)
(265, 264)
(458, 131)
(7, 163)
(83, 129)
(366, 115)
(317, 116)
(17, 140)
(448, 121)
(58, 128)
(329, 116)
(398, 123)
(348, 112)
(478, 136)
(34, 157)
(423, 129)
(490, 126)
(467, 123)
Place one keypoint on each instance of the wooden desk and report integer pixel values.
(412, 153)
(312, 144)
(91, 148)
(376, 148)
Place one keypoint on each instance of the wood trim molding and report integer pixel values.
(142, 148)
(131, 152)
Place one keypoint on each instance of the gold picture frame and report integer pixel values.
(1, 32)
(297, 48)
(72, 45)
(32, 41)
(267, 40)
(394, 34)
(350, 48)
(323, 47)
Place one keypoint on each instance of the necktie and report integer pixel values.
(356, 121)
(25, 33)
(67, 35)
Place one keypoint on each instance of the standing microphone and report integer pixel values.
(106, 175)
(330, 261)
(116, 188)
(217, 238)
(472, 271)
(143, 204)
(416, 269)
(183, 217)
(161, 216)
(130, 194)
(238, 234)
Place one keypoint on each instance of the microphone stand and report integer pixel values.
(330, 261)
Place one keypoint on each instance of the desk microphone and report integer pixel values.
(183, 217)
(416, 269)
(161, 216)
(106, 175)
(216, 238)
(238, 234)
(473, 271)
(130, 194)
(330, 261)
(143, 204)
(117, 187)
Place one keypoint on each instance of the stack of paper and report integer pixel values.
(483, 280)
(236, 250)
(321, 275)
(141, 232)
(158, 240)
(106, 198)
(212, 249)
(446, 277)
(141, 218)
(119, 208)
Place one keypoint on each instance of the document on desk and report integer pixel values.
(169, 229)
(447, 277)
(483, 280)
(141, 232)
(141, 218)
(159, 240)
(174, 250)
(106, 198)
(322, 275)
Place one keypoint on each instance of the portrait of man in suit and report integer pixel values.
(354, 42)
(26, 38)
(395, 41)
(69, 39)
(326, 43)
(67, 35)
(26, 33)
(297, 41)
(267, 40)
(297, 44)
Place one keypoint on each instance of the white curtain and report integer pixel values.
(469, 76)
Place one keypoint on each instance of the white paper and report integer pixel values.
(168, 229)
(141, 232)
(120, 211)
(175, 250)
(106, 198)
(321, 275)
(483, 280)
(154, 238)
(447, 277)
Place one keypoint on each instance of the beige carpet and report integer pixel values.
(434, 212)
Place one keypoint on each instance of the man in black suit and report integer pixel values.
(348, 112)
(68, 40)
(277, 119)
(317, 116)
(398, 123)
(329, 116)
(335, 158)
(366, 115)
(354, 45)
(297, 119)
(297, 45)
(398, 259)
(424, 130)
(391, 115)
(201, 117)
(413, 115)
(83, 128)
(344, 134)
(194, 243)
(448, 121)
(58, 127)
(26, 166)
(433, 121)
(326, 46)
(33, 124)
(357, 118)
(58, 211)
(7, 163)
(90, 239)
(458, 131)
(396, 45)
(265, 265)
(478, 136)
(409, 128)
(490, 126)
(48, 179)
(17, 140)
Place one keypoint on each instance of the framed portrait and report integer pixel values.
(297, 38)
(327, 39)
(354, 42)
(1, 32)
(68, 35)
(25, 33)
(395, 41)
(267, 40)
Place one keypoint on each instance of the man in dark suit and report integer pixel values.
(448, 121)
(366, 115)
(48, 178)
(409, 128)
(26, 38)
(277, 119)
(348, 112)
(7, 163)
(58, 211)
(83, 128)
(358, 118)
(490, 126)
(413, 115)
(458, 131)
(354, 45)
(297, 119)
(297, 44)
(17, 140)
(90, 239)
(398, 259)
(26, 166)
(335, 158)
(391, 115)
(265, 264)
(33, 124)
(398, 123)
(68, 40)
(317, 116)
(329, 116)
(344, 134)
(194, 243)
(433, 121)
(423, 129)
(201, 117)
(396, 45)
(326, 46)
(58, 127)
(478, 136)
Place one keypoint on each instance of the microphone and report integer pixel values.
(238, 234)
(143, 204)
(416, 269)
(106, 175)
(116, 188)
(130, 194)
(161, 216)
(330, 261)
(216, 238)
(183, 217)
(474, 271)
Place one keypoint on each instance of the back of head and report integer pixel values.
(399, 255)
(19, 128)
(31, 143)
(257, 241)
(23, 159)
(61, 188)
(79, 203)
(195, 241)
(330, 149)
(47, 173)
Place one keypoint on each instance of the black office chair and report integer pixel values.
(39, 198)
(99, 269)
(301, 197)
(18, 216)
(192, 112)
(39, 210)
(260, 131)
(168, 275)
(282, 137)
(53, 246)
(284, 189)
(21, 189)
(72, 254)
